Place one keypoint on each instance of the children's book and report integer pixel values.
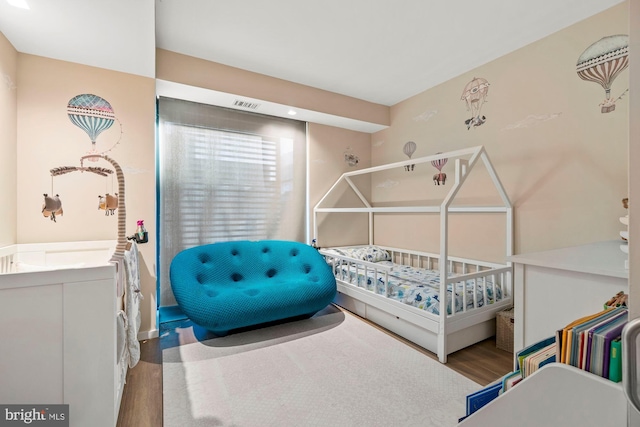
(601, 343)
(559, 345)
(615, 361)
(511, 379)
(520, 355)
(589, 342)
(608, 339)
(541, 358)
(480, 398)
(564, 332)
(573, 333)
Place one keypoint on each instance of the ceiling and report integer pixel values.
(380, 51)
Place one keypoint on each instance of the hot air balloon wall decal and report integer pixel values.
(350, 157)
(475, 95)
(93, 114)
(440, 178)
(602, 62)
(408, 149)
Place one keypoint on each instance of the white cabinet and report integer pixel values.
(553, 288)
(58, 340)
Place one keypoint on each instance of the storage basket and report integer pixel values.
(504, 330)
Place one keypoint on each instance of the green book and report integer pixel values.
(615, 361)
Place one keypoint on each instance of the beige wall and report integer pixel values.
(48, 139)
(327, 146)
(562, 161)
(8, 140)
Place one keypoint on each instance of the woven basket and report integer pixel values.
(504, 330)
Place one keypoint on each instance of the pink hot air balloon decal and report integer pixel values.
(475, 95)
(602, 62)
(440, 177)
(91, 113)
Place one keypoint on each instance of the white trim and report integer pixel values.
(147, 335)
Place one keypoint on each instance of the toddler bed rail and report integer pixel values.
(489, 278)
(404, 294)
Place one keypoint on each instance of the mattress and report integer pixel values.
(417, 287)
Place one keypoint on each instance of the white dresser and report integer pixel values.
(59, 342)
(555, 287)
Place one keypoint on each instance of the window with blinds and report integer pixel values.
(226, 175)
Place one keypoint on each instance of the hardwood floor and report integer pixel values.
(142, 397)
(141, 404)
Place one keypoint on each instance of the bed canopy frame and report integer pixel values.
(465, 160)
(445, 332)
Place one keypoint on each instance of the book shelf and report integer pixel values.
(551, 397)
(553, 288)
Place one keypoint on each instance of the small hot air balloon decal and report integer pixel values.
(602, 62)
(92, 114)
(440, 177)
(350, 157)
(475, 95)
(409, 148)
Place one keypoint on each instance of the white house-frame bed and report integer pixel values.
(371, 289)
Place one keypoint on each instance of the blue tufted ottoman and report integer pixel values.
(230, 285)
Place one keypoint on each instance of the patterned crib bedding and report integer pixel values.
(413, 286)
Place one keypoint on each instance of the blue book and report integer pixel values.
(480, 398)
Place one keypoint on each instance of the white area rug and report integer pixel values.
(328, 371)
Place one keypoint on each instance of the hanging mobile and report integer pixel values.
(108, 203)
(52, 205)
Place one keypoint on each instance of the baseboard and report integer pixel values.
(147, 335)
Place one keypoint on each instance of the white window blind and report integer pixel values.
(226, 175)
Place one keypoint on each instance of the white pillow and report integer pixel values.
(347, 252)
(372, 254)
